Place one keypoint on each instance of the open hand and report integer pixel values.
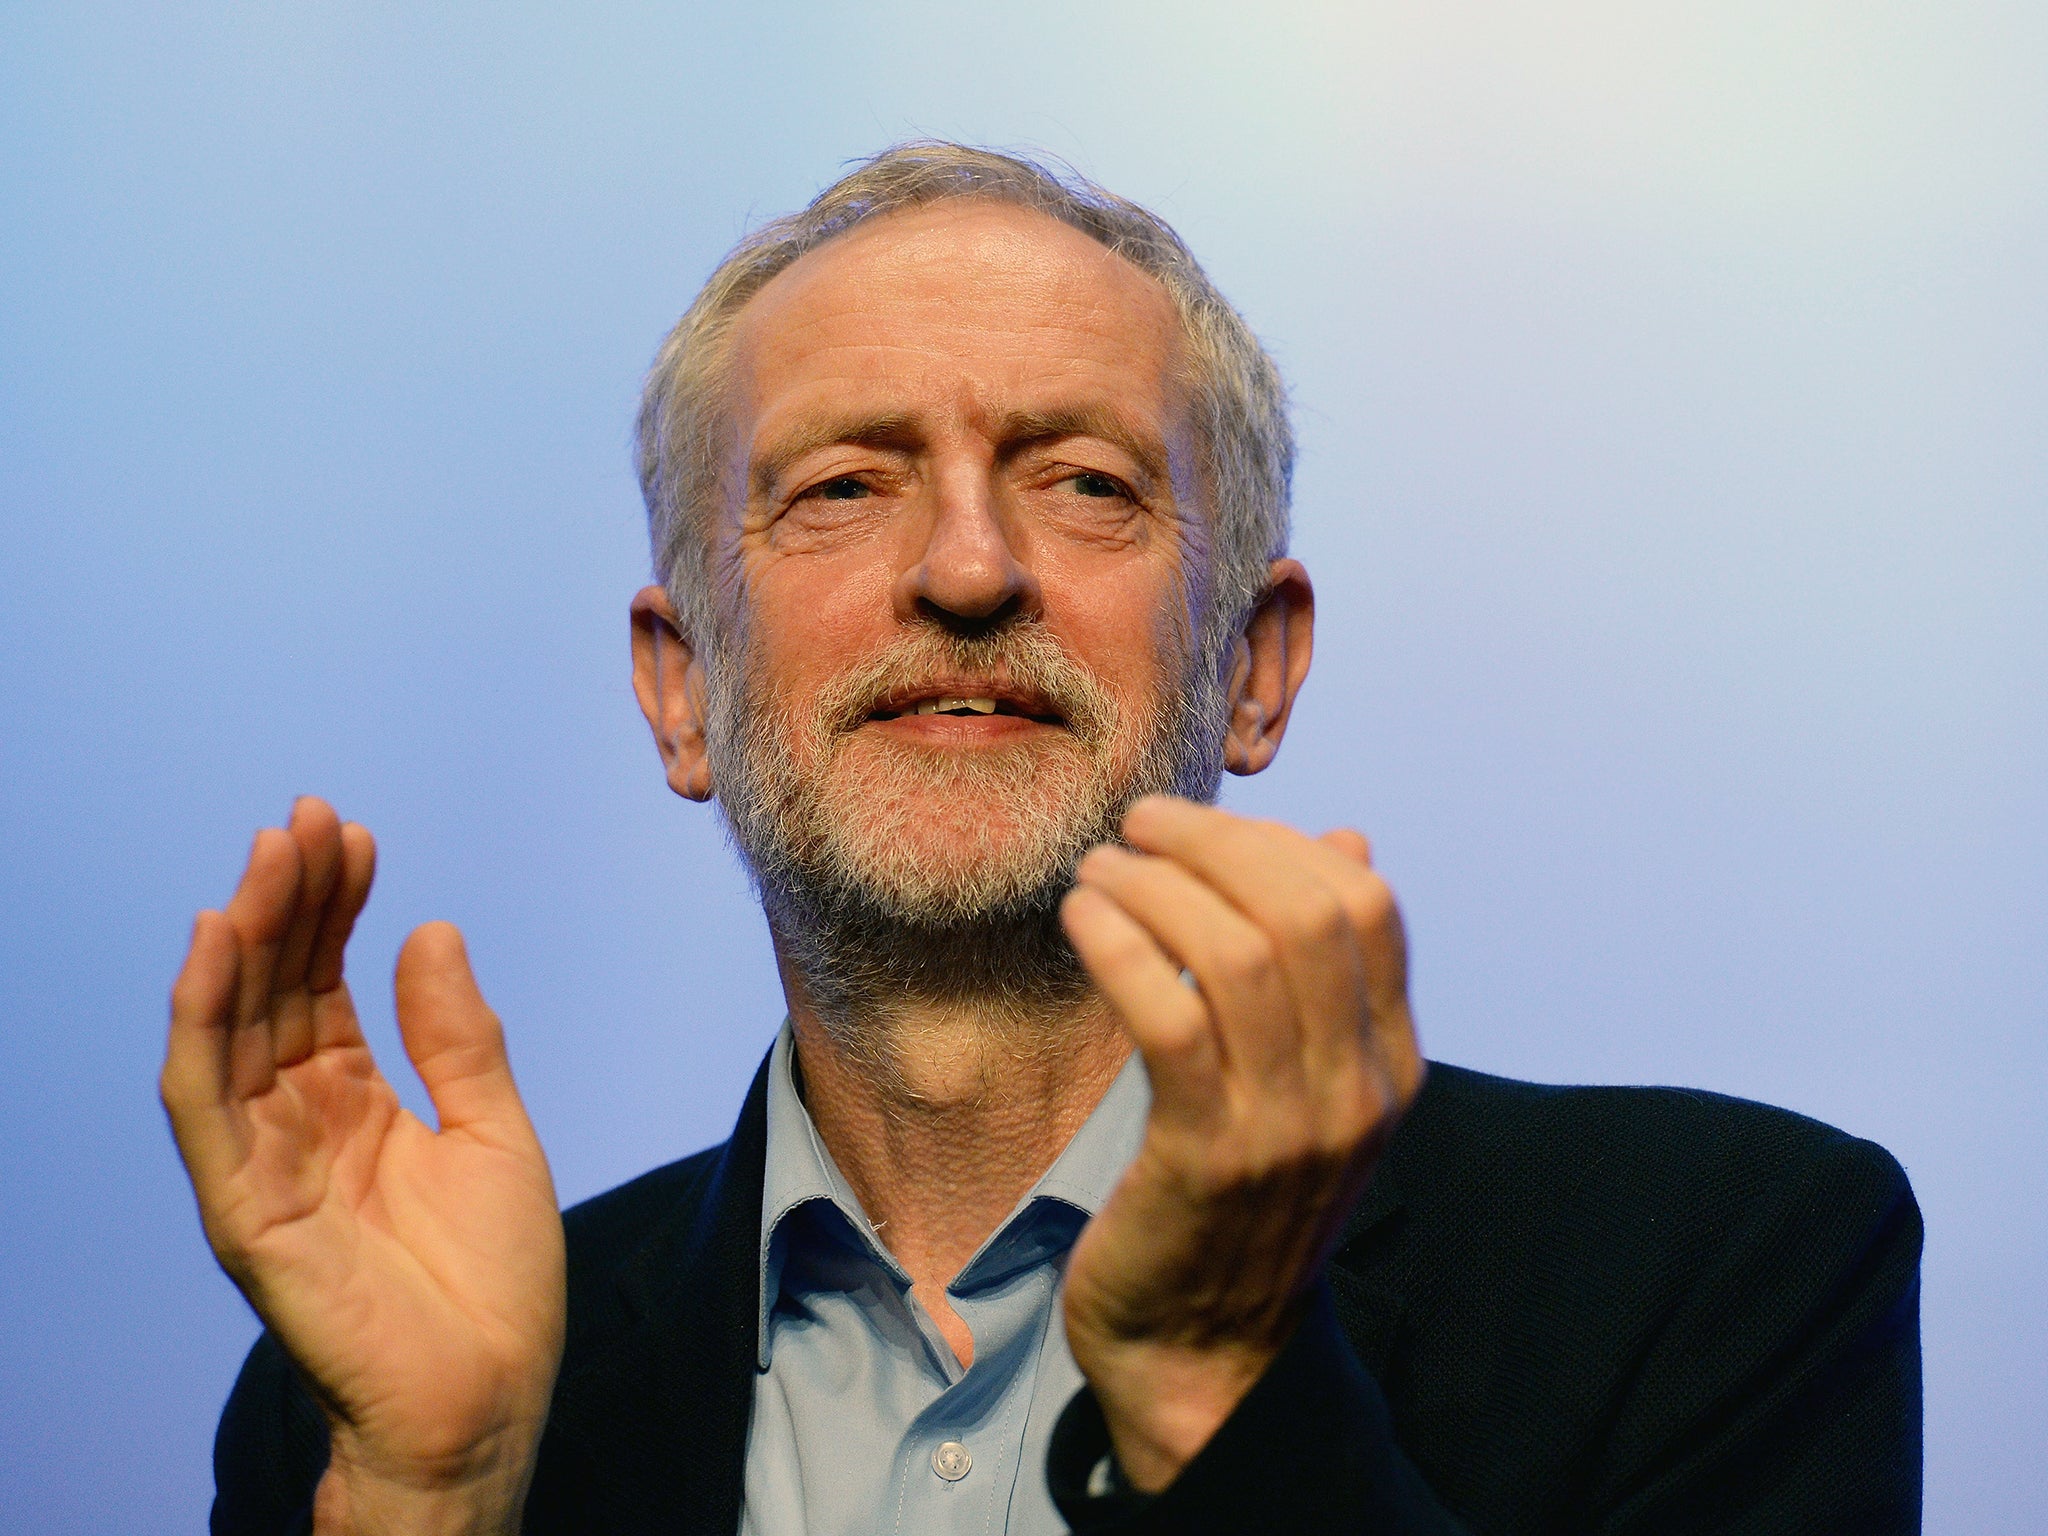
(415, 1276)
(1276, 1080)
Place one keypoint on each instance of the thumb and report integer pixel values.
(456, 1043)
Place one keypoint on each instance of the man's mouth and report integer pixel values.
(967, 706)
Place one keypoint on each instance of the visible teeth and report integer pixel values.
(939, 706)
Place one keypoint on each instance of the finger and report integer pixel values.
(260, 912)
(317, 831)
(1355, 846)
(195, 1083)
(1267, 868)
(1235, 962)
(1166, 1018)
(1312, 889)
(454, 1040)
(351, 891)
(1338, 926)
(1383, 938)
(335, 1025)
(1394, 1040)
(1294, 893)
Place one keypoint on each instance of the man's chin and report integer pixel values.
(955, 873)
(1015, 828)
(957, 760)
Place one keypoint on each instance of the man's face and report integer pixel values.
(960, 567)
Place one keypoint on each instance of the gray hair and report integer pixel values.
(1244, 442)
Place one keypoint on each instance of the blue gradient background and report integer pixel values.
(1671, 383)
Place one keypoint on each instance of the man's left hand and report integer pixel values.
(1277, 1077)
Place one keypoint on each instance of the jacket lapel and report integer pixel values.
(657, 1408)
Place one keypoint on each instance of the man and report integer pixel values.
(1071, 1192)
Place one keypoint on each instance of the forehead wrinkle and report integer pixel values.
(1057, 277)
(1098, 298)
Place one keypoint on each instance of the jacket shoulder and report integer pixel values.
(610, 1224)
(604, 1232)
(1634, 1308)
(1597, 1203)
(1676, 1152)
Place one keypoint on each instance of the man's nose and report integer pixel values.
(968, 571)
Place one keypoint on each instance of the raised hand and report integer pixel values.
(416, 1276)
(1276, 1081)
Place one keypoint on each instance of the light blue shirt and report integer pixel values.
(864, 1421)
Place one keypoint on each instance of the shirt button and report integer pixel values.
(951, 1461)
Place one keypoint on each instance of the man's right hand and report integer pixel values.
(415, 1276)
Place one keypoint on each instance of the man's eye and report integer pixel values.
(843, 488)
(1088, 483)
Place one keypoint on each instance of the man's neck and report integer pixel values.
(942, 1118)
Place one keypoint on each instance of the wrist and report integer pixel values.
(1162, 1403)
(484, 1496)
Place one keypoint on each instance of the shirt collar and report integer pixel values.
(800, 1170)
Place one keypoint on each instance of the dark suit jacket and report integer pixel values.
(1611, 1310)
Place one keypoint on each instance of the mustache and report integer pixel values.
(1023, 656)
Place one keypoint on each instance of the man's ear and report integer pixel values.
(1269, 666)
(669, 683)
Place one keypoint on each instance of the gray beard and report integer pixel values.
(869, 935)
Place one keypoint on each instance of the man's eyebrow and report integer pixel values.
(1015, 432)
(860, 431)
(1024, 429)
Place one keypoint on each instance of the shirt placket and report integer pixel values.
(957, 1465)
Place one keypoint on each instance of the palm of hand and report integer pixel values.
(412, 1271)
(415, 1276)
